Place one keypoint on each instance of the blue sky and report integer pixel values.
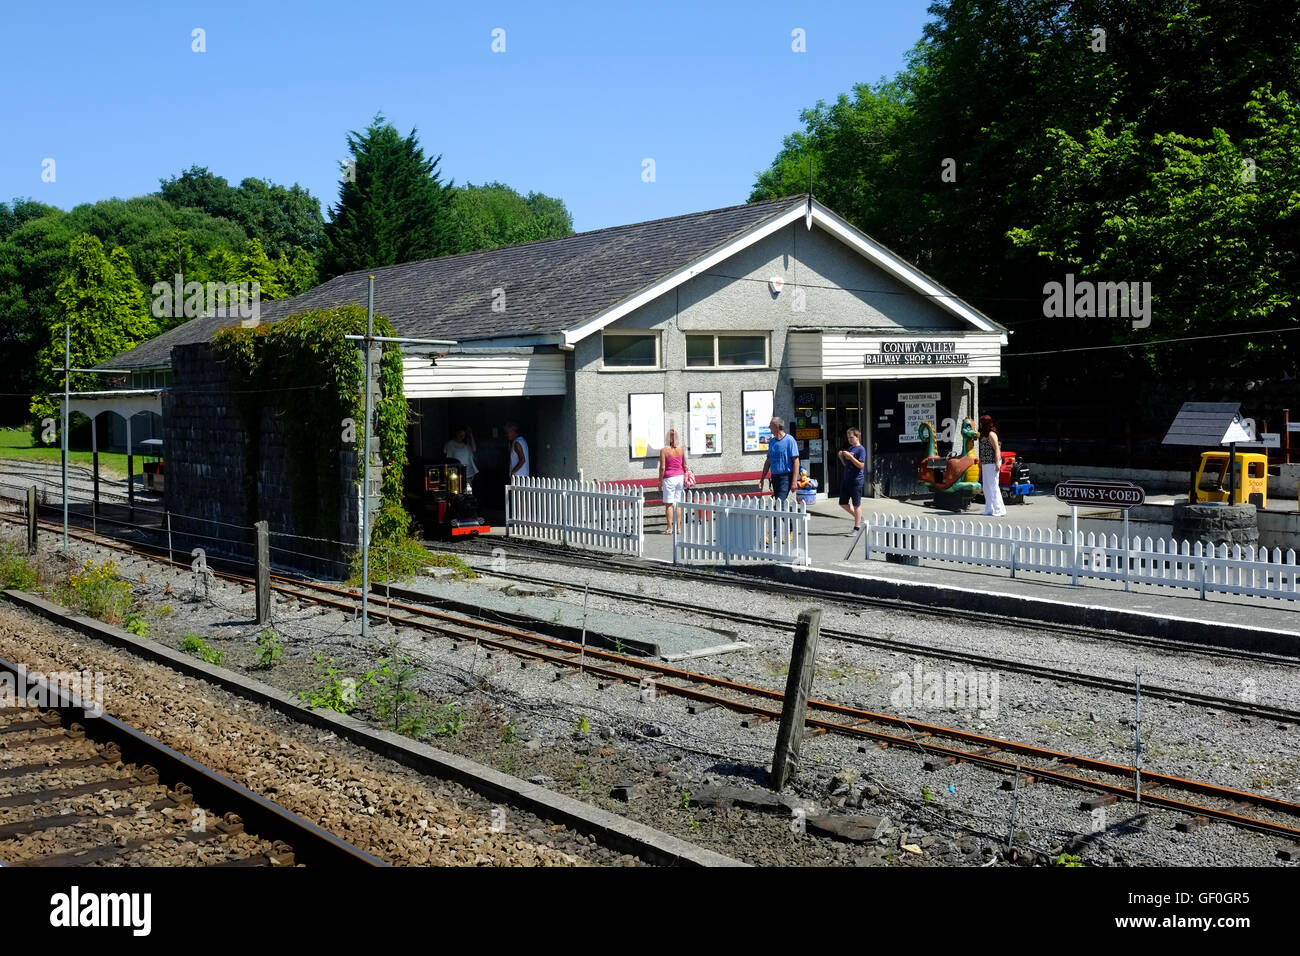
(114, 94)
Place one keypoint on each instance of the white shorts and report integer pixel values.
(674, 489)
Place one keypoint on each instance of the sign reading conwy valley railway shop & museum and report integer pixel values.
(1098, 491)
(917, 353)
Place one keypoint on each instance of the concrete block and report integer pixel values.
(853, 829)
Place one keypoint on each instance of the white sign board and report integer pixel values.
(705, 416)
(917, 407)
(755, 419)
(646, 424)
(1271, 439)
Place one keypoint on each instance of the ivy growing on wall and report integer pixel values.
(303, 369)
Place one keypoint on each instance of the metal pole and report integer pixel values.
(1137, 737)
(1015, 801)
(1232, 474)
(1126, 547)
(67, 365)
(1074, 536)
(365, 468)
(582, 654)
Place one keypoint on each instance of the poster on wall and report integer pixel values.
(705, 416)
(756, 418)
(917, 407)
(645, 424)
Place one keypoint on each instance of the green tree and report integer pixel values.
(283, 218)
(296, 272)
(1099, 137)
(104, 306)
(392, 204)
(492, 215)
(255, 266)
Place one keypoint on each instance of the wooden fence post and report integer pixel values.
(798, 686)
(31, 519)
(264, 572)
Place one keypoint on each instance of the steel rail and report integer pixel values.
(733, 579)
(894, 644)
(567, 654)
(311, 845)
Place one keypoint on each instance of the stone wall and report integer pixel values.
(208, 490)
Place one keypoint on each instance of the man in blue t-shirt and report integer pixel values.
(854, 460)
(782, 461)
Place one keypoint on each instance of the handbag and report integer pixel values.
(689, 479)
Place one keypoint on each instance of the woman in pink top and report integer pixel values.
(672, 479)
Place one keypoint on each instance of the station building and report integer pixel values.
(711, 323)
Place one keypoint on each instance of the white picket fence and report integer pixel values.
(734, 529)
(580, 514)
(1223, 569)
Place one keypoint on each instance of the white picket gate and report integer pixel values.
(734, 529)
(1164, 562)
(580, 514)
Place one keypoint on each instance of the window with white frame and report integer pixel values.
(631, 349)
(727, 351)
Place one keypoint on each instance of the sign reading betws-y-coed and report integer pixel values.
(917, 353)
(1113, 494)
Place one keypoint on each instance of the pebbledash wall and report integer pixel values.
(842, 291)
(205, 486)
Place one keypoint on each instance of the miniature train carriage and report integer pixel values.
(1013, 479)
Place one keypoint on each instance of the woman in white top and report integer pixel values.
(518, 452)
(462, 447)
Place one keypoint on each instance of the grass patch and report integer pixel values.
(402, 560)
(17, 570)
(335, 690)
(193, 644)
(463, 570)
(97, 590)
(270, 648)
(17, 443)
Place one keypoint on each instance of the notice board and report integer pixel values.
(756, 418)
(645, 415)
(918, 407)
(704, 411)
(897, 409)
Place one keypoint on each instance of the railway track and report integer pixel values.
(78, 789)
(947, 744)
(892, 643)
(483, 548)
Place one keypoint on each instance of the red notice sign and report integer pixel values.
(1111, 494)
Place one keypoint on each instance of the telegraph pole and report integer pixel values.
(67, 372)
(365, 468)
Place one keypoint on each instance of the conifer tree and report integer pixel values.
(392, 204)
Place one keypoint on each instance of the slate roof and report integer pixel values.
(550, 285)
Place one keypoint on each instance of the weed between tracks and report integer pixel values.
(17, 570)
(193, 644)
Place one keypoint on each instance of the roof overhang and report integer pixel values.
(1208, 423)
(127, 402)
(811, 212)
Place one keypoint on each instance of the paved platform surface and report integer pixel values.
(503, 600)
(829, 538)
